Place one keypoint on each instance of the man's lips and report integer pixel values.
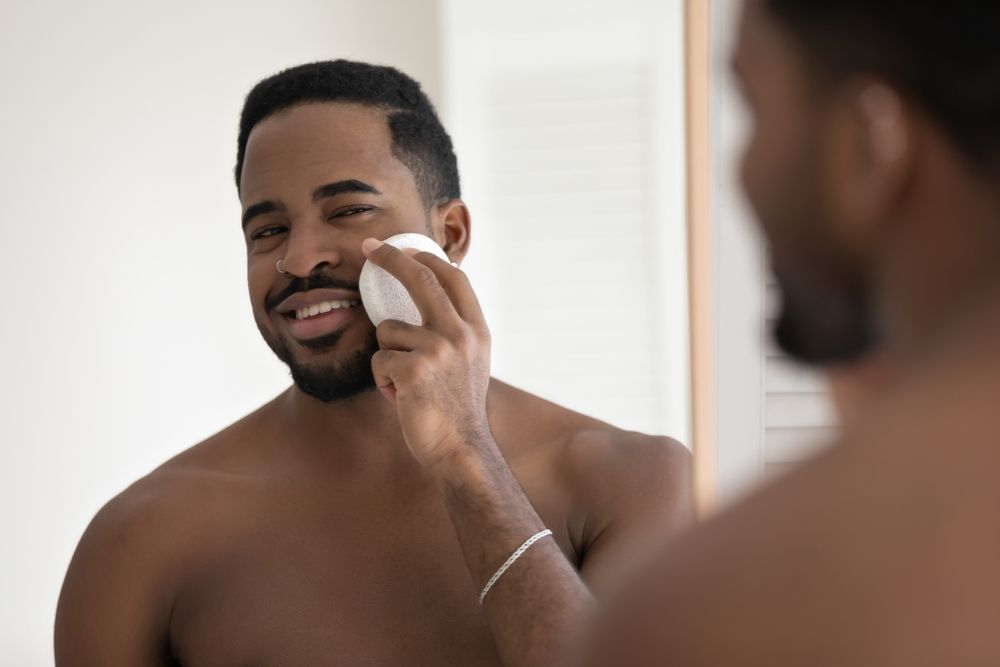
(318, 312)
(315, 297)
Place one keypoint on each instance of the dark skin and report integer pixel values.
(883, 550)
(361, 531)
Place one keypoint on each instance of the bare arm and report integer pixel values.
(539, 606)
(437, 375)
(536, 606)
(114, 608)
(638, 496)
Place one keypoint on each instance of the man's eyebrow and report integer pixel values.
(322, 192)
(260, 208)
(340, 187)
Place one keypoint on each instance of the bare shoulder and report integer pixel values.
(623, 491)
(876, 529)
(633, 493)
(138, 529)
(592, 456)
(164, 504)
(154, 515)
(188, 486)
(611, 458)
(119, 591)
(116, 600)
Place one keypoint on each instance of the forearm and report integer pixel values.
(540, 602)
(437, 375)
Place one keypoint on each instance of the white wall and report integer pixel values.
(128, 335)
(568, 116)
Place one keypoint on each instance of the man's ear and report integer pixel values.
(873, 158)
(452, 228)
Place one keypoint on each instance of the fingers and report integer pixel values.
(397, 335)
(456, 285)
(382, 367)
(405, 352)
(397, 373)
(419, 280)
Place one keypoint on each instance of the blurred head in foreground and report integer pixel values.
(872, 164)
(873, 168)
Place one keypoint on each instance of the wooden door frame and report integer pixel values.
(697, 51)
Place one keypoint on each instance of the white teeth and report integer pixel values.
(325, 307)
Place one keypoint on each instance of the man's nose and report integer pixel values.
(309, 247)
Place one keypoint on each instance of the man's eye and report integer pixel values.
(354, 210)
(267, 231)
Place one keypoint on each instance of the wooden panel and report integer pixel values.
(700, 252)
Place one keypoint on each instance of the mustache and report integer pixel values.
(313, 281)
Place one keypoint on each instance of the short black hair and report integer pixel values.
(943, 55)
(419, 140)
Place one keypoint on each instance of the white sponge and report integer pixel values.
(384, 297)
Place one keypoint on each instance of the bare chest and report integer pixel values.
(295, 586)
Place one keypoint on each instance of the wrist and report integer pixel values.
(469, 460)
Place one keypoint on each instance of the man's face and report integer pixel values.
(317, 180)
(826, 311)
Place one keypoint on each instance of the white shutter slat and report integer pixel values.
(784, 444)
(568, 170)
(785, 377)
(797, 410)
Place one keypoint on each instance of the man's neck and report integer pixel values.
(941, 267)
(356, 435)
(352, 435)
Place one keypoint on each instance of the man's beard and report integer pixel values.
(825, 325)
(827, 312)
(329, 381)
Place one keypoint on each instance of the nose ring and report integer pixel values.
(280, 269)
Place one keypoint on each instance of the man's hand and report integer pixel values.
(436, 374)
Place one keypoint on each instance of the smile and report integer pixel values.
(319, 312)
(324, 307)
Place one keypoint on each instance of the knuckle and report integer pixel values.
(417, 369)
(442, 298)
(426, 276)
(462, 337)
(439, 348)
(386, 327)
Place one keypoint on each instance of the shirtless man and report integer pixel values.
(354, 519)
(874, 167)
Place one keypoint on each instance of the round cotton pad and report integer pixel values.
(383, 296)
